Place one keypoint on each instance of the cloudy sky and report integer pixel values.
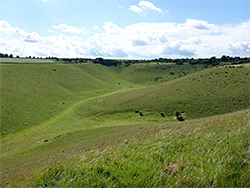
(125, 28)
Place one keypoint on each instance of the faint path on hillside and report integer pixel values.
(28, 137)
(77, 104)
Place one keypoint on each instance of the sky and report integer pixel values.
(125, 29)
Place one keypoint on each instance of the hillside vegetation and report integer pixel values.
(66, 123)
(34, 93)
(207, 152)
(205, 93)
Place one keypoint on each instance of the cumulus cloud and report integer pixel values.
(176, 49)
(32, 37)
(139, 42)
(68, 28)
(240, 49)
(198, 24)
(144, 6)
(15, 33)
(193, 38)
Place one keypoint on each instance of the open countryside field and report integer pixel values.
(86, 124)
(24, 60)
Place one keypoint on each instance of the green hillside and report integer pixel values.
(207, 152)
(205, 93)
(64, 123)
(32, 93)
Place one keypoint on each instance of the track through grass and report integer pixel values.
(66, 113)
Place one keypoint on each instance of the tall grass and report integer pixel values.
(206, 153)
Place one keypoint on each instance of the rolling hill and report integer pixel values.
(202, 94)
(57, 116)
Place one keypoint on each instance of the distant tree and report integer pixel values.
(6, 55)
(98, 60)
(178, 61)
(17, 56)
(127, 64)
(224, 58)
(171, 73)
(11, 56)
(212, 61)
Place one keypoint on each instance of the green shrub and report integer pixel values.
(162, 114)
(177, 113)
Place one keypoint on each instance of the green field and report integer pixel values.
(78, 124)
(25, 61)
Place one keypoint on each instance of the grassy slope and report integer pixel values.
(89, 117)
(148, 74)
(25, 60)
(211, 151)
(31, 94)
(37, 92)
(205, 93)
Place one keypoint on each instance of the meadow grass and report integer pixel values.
(25, 61)
(207, 152)
(33, 93)
(63, 116)
(202, 94)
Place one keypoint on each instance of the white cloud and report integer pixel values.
(240, 49)
(32, 37)
(67, 28)
(15, 33)
(198, 24)
(176, 49)
(144, 6)
(139, 42)
(193, 38)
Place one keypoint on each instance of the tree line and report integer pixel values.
(212, 61)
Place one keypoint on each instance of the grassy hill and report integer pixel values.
(54, 113)
(212, 151)
(32, 93)
(205, 93)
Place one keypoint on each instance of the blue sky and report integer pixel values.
(125, 28)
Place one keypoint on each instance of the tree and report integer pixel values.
(212, 61)
(224, 58)
(11, 56)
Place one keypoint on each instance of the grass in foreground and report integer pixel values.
(208, 152)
